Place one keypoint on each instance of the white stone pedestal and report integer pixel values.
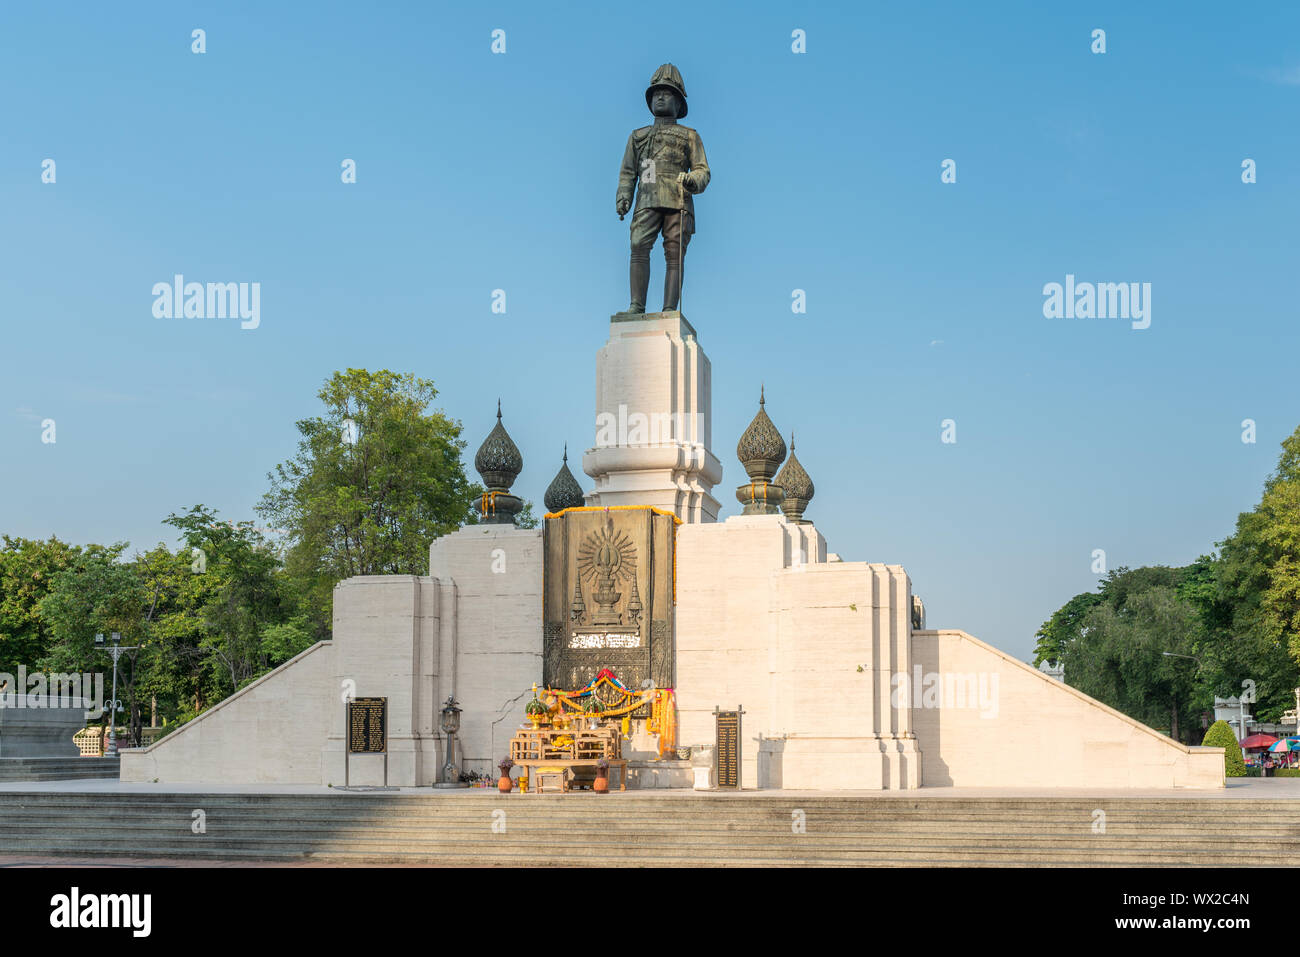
(654, 419)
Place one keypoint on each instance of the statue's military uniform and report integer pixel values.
(659, 153)
(654, 157)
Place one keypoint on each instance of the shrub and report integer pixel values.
(1220, 736)
(1286, 773)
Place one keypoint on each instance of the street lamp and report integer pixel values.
(450, 725)
(114, 705)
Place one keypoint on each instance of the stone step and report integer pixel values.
(73, 773)
(16, 816)
(171, 823)
(1242, 829)
(42, 777)
(449, 846)
(619, 804)
(1248, 831)
(563, 854)
(312, 839)
(57, 769)
(36, 761)
(593, 830)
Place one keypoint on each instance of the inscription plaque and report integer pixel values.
(604, 640)
(728, 748)
(368, 726)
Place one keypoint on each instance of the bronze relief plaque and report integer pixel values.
(608, 596)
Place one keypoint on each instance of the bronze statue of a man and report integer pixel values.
(665, 164)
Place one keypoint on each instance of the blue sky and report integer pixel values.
(478, 171)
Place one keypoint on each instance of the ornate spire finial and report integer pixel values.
(798, 487)
(564, 490)
(499, 463)
(761, 451)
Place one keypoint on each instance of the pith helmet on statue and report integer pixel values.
(668, 76)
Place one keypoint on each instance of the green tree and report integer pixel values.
(1280, 541)
(99, 594)
(1112, 643)
(375, 480)
(202, 621)
(178, 676)
(27, 571)
(1245, 630)
(285, 640)
(1063, 627)
(1248, 600)
(1220, 736)
(234, 594)
(526, 518)
(1119, 655)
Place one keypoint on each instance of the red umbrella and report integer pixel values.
(1258, 741)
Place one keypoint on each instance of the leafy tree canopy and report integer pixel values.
(376, 478)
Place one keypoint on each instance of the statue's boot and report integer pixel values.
(639, 279)
(672, 280)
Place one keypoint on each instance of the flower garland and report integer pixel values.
(571, 703)
(662, 701)
(663, 720)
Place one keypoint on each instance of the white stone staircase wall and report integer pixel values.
(271, 731)
(1034, 731)
(768, 619)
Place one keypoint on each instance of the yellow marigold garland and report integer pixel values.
(663, 720)
(662, 701)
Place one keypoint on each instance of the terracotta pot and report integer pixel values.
(504, 784)
(600, 785)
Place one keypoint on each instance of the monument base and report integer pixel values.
(653, 383)
(875, 763)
